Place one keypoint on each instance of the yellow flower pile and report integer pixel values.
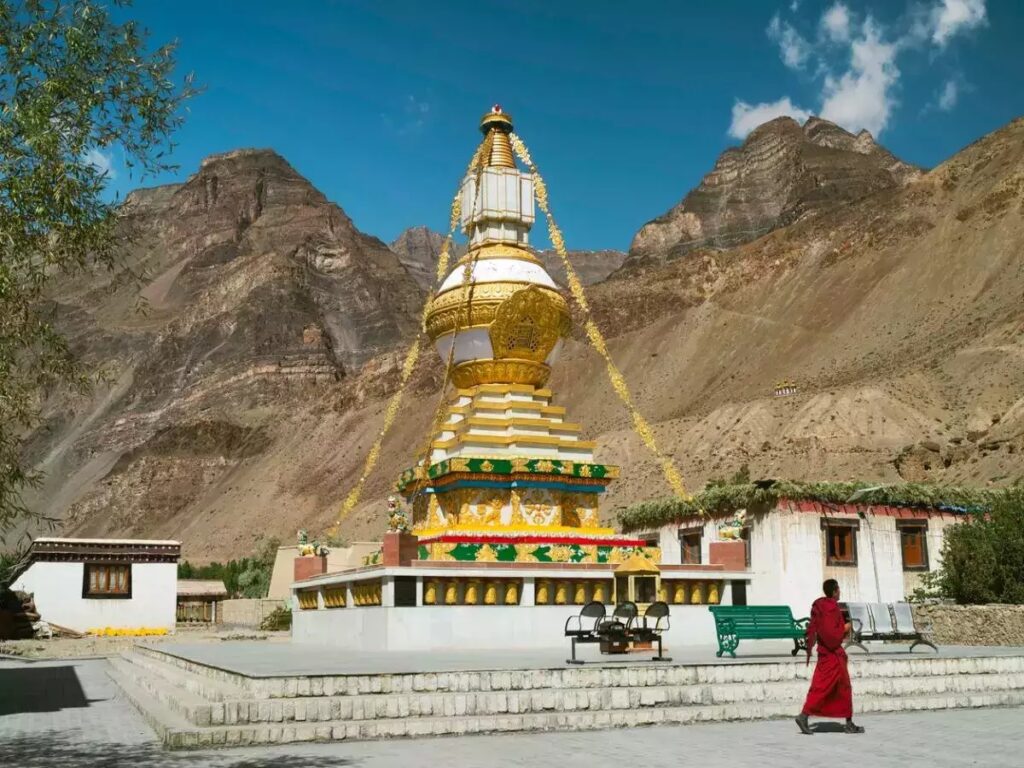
(127, 631)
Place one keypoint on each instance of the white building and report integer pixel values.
(90, 585)
(877, 553)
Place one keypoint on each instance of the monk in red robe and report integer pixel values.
(831, 694)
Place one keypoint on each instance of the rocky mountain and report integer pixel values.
(255, 290)
(591, 266)
(243, 402)
(897, 318)
(418, 249)
(783, 172)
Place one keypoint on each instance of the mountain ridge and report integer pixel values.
(780, 173)
(235, 410)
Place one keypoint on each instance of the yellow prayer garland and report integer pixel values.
(640, 424)
(412, 356)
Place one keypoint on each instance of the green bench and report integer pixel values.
(757, 622)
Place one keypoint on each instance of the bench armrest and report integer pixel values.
(660, 625)
(725, 625)
(574, 624)
(856, 629)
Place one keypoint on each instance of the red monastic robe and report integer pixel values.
(831, 694)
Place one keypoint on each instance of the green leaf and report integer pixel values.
(542, 554)
(464, 552)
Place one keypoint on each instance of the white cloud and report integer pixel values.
(794, 6)
(953, 16)
(792, 47)
(948, 97)
(862, 97)
(860, 93)
(746, 117)
(104, 163)
(835, 22)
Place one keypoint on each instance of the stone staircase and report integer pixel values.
(193, 705)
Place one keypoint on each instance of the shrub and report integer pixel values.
(983, 557)
(278, 619)
(248, 577)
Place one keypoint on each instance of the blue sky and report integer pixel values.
(624, 105)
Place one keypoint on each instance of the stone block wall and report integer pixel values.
(974, 624)
(246, 612)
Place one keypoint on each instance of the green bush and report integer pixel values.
(983, 557)
(248, 577)
(278, 619)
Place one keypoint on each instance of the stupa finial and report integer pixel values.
(496, 125)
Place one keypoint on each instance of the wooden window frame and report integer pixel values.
(699, 533)
(88, 595)
(920, 527)
(851, 526)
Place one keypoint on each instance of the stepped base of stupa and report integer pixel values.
(510, 480)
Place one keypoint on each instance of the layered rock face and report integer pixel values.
(782, 173)
(255, 288)
(249, 237)
(418, 249)
(591, 266)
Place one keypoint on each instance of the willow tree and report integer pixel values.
(75, 85)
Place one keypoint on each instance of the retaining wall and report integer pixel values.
(974, 624)
(247, 612)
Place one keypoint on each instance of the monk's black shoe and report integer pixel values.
(852, 727)
(805, 728)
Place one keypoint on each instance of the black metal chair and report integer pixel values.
(586, 627)
(654, 623)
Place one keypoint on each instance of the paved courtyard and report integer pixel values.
(262, 659)
(69, 714)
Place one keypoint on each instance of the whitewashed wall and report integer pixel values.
(787, 558)
(58, 594)
(470, 627)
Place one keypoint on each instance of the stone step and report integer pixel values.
(166, 722)
(199, 683)
(191, 707)
(175, 736)
(373, 707)
(618, 675)
(242, 710)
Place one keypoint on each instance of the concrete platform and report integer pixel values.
(262, 660)
(238, 693)
(85, 722)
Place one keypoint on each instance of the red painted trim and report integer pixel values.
(832, 510)
(564, 540)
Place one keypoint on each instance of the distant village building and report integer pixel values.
(89, 585)
(199, 600)
(876, 552)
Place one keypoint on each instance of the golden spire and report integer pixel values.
(496, 125)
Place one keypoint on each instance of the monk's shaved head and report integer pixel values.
(830, 587)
